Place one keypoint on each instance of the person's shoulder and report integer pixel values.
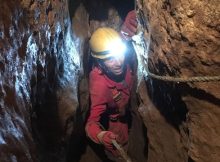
(97, 83)
(96, 73)
(96, 78)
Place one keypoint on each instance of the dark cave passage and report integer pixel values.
(81, 148)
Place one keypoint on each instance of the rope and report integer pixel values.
(121, 151)
(184, 79)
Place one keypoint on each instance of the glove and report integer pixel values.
(92, 130)
(121, 129)
(129, 27)
(106, 138)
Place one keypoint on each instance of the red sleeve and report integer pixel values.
(98, 96)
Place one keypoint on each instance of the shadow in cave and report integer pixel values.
(144, 130)
(77, 143)
(138, 140)
(78, 140)
(72, 6)
(190, 159)
(122, 6)
(167, 98)
(200, 94)
(145, 151)
(98, 9)
(45, 124)
(99, 151)
(77, 147)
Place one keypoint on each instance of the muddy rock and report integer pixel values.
(182, 119)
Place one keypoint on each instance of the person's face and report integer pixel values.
(115, 65)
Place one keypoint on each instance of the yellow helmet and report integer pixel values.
(106, 42)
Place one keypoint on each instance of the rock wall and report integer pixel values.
(182, 119)
(39, 68)
(43, 74)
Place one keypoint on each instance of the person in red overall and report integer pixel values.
(110, 84)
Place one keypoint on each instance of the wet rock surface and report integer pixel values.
(39, 67)
(182, 119)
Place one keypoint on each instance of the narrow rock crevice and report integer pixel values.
(45, 62)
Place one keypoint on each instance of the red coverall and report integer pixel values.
(111, 98)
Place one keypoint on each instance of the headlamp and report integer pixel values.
(117, 49)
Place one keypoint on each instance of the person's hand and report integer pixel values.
(129, 27)
(106, 138)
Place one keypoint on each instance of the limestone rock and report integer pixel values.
(182, 119)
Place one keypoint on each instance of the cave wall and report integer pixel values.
(43, 53)
(39, 68)
(182, 119)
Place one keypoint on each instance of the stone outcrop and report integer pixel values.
(39, 68)
(182, 119)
